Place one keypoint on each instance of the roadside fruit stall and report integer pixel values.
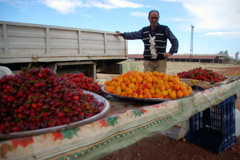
(113, 117)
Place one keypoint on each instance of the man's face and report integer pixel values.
(153, 18)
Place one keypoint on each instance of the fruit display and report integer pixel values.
(84, 82)
(203, 78)
(202, 75)
(147, 85)
(38, 98)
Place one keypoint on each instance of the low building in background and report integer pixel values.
(205, 58)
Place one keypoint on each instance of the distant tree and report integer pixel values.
(226, 52)
(221, 52)
(236, 55)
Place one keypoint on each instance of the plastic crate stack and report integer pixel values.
(214, 128)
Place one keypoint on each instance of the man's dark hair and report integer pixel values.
(153, 11)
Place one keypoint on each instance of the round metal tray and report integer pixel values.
(141, 99)
(62, 127)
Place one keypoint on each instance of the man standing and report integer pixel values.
(154, 38)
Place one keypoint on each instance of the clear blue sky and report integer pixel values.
(217, 22)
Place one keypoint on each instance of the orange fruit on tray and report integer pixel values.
(148, 85)
(179, 94)
(172, 95)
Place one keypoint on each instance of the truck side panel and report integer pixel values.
(22, 42)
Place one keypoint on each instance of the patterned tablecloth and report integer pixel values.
(125, 124)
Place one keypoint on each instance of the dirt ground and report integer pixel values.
(160, 147)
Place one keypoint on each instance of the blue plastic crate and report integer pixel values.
(214, 128)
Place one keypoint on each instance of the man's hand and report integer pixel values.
(166, 55)
(117, 33)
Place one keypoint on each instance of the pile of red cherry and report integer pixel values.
(38, 98)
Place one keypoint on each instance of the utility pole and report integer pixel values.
(191, 44)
